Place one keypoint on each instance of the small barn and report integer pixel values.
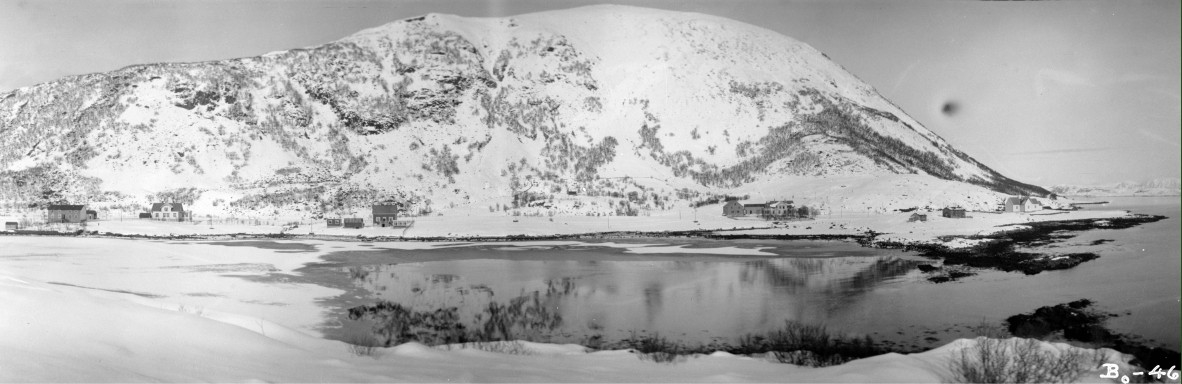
(91, 214)
(354, 222)
(732, 208)
(333, 222)
(168, 211)
(917, 217)
(65, 213)
(385, 214)
(11, 226)
(953, 212)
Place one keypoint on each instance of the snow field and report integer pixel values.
(155, 311)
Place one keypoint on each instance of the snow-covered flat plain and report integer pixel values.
(116, 310)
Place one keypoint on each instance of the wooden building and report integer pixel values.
(732, 208)
(953, 212)
(11, 226)
(1020, 204)
(753, 209)
(168, 212)
(91, 214)
(354, 222)
(778, 209)
(333, 222)
(917, 217)
(66, 213)
(385, 214)
(145, 215)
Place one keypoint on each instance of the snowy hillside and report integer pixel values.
(1156, 187)
(615, 110)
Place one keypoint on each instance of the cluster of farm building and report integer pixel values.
(386, 214)
(784, 209)
(383, 215)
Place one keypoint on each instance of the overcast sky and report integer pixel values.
(1046, 93)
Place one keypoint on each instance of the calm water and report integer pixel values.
(585, 294)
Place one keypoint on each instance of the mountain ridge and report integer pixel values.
(537, 106)
(1163, 186)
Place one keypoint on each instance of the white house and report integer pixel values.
(1021, 204)
(168, 211)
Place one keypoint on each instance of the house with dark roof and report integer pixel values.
(953, 212)
(66, 213)
(385, 214)
(169, 212)
(754, 209)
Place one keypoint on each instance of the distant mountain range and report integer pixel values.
(650, 108)
(1155, 187)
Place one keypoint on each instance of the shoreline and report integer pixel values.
(1024, 232)
(703, 234)
(1006, 247)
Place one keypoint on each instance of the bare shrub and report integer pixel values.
(363, 345)
(514, 347)
(1020, 361)
(807, 344)
(199, 311)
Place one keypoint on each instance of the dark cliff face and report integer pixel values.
(422, 106)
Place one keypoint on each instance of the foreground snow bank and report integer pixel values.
(52, 332)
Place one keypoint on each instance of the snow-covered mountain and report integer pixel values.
(1155, 187)
(607, 108)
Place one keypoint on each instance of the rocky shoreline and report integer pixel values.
(1079, 321)
(1002, 250)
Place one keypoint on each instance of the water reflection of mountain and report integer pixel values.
(843, 276)
(690, 300)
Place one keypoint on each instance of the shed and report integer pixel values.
(91, 214)
(333, 222)
(11, 226)
(66, 213)
(354, 222)
(917, 217)
(145, 215)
